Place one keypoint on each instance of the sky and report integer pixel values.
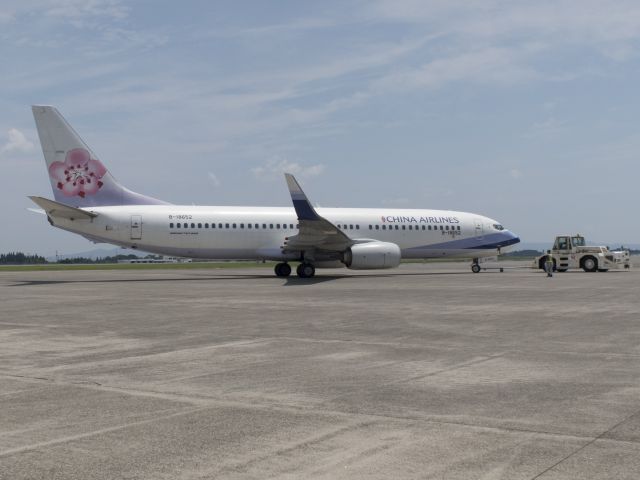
(524, 111)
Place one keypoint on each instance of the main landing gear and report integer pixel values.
(304, 270)
(282, 269)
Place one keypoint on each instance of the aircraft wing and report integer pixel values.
(314, 231)
(60, 210)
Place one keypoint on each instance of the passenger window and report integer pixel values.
(199, 225)
(458, 227)
(441, 227)
(206, 225)
(257, 225)
(185, 225)
(271, 225)
(423, 227)
(226, 225)
(291, 226)
(384, 227)
(193, 225)
(249, 225)
(284, 226)
(177, 225)
(377, 227)
(397, 228)
(357, 227)
(264, 225)
(277, 226)
(410, 227)
(370, 227)
(171, 225)
(446, 227)
(350, 227)
(404, 227)
(234, 225)
(219, 225)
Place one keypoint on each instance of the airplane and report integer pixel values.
(90, 202)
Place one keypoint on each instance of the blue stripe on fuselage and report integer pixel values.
(487, 242)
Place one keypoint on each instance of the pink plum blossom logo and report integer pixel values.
(79, 174)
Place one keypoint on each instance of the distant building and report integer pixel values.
(157, 260)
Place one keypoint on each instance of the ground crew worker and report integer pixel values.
(548, 264)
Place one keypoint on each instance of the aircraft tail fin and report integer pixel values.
(77, 177)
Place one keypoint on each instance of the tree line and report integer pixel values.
(19, 258)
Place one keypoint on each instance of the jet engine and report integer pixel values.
(372, 255)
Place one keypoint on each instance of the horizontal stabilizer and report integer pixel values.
(60, 210)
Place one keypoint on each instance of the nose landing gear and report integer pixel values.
(475, 266)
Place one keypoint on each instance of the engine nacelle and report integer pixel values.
(372, 255)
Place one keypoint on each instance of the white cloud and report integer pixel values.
(17, 142)
(277, 166)
(75, 9)
(491, 65)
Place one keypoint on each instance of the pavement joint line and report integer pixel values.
(509, 348)
(207, 402)
(448, 369)
(305, 443)
(591, 442)
(70, 438)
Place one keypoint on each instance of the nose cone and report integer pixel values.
(510, 240)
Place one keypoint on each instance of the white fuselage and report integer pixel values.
(260, 232)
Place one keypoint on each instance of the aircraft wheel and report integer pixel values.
(603, 269)
(475, 268)
(306, 270)
(282, 269)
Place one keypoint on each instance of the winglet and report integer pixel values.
(304, 209)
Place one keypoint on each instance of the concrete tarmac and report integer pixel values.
(427, 371)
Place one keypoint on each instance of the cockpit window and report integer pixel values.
(497, 226)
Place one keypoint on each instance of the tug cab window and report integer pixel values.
(562, 243)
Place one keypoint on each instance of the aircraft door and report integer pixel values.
(136, 227)
(479, 228)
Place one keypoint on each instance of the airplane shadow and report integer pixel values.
(292, 281)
